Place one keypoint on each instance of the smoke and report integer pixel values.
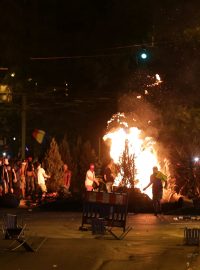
(140, 113)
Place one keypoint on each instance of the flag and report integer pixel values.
(39, 135)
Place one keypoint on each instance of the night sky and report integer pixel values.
(73, 58)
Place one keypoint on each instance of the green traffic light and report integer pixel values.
(144, 55)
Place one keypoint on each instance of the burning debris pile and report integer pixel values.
(135, 138)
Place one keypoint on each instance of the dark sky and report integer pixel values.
(90, 34)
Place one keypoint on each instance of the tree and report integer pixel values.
(65, 152)
(87, 156)
(76, 151)
(54, 166)
(180, 133)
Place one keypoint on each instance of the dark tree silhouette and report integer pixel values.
(54, 166)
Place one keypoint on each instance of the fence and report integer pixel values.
(192, 236)
(111, 207)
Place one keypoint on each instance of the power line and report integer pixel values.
(72, 57)
(152, 44)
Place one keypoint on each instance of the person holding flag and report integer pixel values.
(157, 180)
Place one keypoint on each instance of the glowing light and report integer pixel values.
(141, 147)
(4, 154)
(143, 56)
(139, 97)
(14, 138)
(196, 159)
(12, 74)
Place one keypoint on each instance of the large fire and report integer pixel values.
(140, 147)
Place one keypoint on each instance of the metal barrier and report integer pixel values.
(111, 207)
(192, 236)
(98, 226)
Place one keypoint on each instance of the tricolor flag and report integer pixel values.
(39, 135)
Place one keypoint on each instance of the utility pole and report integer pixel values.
(23, 131)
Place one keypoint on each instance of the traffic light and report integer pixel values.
(143, 56)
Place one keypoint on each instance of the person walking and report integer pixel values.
(90, 178)
(156, 180)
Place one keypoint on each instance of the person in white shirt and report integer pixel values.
(90, 178)
(41, 177)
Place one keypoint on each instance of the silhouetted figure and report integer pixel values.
(156, 180)
(30, 182)
(109, 177)
(23, 178)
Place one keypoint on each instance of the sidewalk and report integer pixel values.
(154, 243)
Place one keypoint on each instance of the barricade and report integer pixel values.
(192, 236)
(111, 207)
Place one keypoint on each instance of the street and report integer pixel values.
(153, 243)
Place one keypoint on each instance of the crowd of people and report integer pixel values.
(26, 178)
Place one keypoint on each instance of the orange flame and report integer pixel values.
(142, 148)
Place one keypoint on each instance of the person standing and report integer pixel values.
(17, 178)
(90, 178)
(156, 180)
(66, 177)
(23, 178)
(12, 178)
(109, 177)
(41, 177)
(6, 176)
(30, 183)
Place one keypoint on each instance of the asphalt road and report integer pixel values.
(153, 243)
